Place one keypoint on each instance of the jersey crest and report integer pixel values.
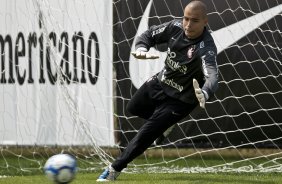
(191, 51)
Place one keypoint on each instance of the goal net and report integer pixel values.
(241, 125)
(67, 75)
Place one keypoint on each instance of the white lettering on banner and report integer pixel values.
(25, 45)
(56, 74)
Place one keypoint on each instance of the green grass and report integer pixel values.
(28, 170)
(88, 178)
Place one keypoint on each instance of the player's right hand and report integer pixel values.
(142, 53)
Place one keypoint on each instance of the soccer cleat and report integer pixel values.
(160, 139)
(109, 174)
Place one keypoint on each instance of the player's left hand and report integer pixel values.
(199, 93)
(142, 53)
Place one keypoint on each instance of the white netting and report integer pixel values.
(242, 122)
(56, 83)
(59, 93)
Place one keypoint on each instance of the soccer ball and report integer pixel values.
(60, 168)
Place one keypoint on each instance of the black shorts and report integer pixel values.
(150, 98)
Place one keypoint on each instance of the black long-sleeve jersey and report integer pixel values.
(186, 59)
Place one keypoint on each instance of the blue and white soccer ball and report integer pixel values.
(60, 168)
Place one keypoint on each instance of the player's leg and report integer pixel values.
(165, 115)
(142, 103)
(164, 135)
(109, 174)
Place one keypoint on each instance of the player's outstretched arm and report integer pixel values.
(199, 93)
(142, 53)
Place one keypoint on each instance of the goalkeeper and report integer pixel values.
(189, 78)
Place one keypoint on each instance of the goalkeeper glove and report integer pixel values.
(200, 94)
(142, 53)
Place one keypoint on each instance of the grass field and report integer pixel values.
(28, 170)
(88, 178)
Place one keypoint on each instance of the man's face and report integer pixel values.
(194, 22)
